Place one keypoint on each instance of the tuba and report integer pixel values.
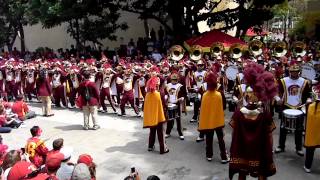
(196, 53)
(235, 51)
(217, 49)
(176, 53)
(298, 48)
(279, 49)
(256, 47)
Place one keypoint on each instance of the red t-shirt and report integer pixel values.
(20, 108)
(3, 120)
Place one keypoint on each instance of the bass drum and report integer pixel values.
(308, 72)
(231, 72)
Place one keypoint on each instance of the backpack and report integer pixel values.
(87, 95)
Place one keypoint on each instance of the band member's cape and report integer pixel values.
(313, 124)
(153, 110)
(251, 146)
(211, 111)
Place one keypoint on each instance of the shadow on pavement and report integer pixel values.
(73, 127)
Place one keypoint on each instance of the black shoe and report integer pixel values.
(166, 151)
(151, 149)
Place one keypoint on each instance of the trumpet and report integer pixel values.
(279, 49)
(299, 48)
(196, 53)
(235, 51)
(176, 53)
(217, 49)
(255, 47)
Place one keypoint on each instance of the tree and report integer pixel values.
(12, 20)
(87, 20)
(180, 17)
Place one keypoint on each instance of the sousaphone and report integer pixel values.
(256, 47)
(217, 49)
(176, 53)
(235, 51)
(196, 53)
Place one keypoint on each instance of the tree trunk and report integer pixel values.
(11, 41)
(146, 27)
(77, 26)
(22, 40)
(285, 28)
(176, 12)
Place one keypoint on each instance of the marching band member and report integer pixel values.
(117, 84)
(128, 92)
(212, 117)
(74, 79)
(2, 79)
(105, 88)
(197, 88)
(251, 146)
(136, 85)
(18, 74)
(10, 81)
(174, 96)
(154, 117)
(295, 91)
(58, 87)
(312, 137)
(30, 81)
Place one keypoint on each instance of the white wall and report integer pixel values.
(57, 37)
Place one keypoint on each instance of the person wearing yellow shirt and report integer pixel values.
(312, 137)
(154, 117)
(212, 118)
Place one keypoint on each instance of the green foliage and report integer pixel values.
(184, 14)
(12, 17)
(88, 20)
(306, 25)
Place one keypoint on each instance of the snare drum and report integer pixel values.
(173, 112)
(292, 119)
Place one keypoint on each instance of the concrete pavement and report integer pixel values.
(121, 143)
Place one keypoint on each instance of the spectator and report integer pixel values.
(44, 92)
(36, 148)
(7, 121)
(153, 177)
(156, 56)
(66, 168)
(87, 159)
(53, 163)
(10, 159)
(57, 145)
(153, 35)
(161, 34)
(81, 172)
(21, 109)
(21, 170)
(3, 150)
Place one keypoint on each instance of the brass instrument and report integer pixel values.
(176, 53)
(299, 49)
(196, 53)
(279, 49)
(235, 51)
(256, 47)
(217, 49)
